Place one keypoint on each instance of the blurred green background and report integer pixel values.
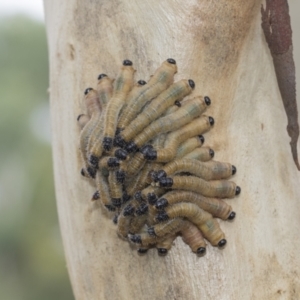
(32, 264)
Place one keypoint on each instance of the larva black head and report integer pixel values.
(166, 182)
(146, 148)
(115, 219)
(113, 162)
(82, 172)
(162, 216)
(151, 198)
(150, 155)
(107, 143)
(135, 238)
(161, 203)
(211, 121)
(121, 154)
(177, 103)
(160, 174)
(127, 62)
(237, 190)
(101, 76)
(116, 202)
(138, 196)
(207, 100)
(119, 141)
(191, 83)
(128, 210)
(143, 208)
(211, 153)
(142, 82)
(222, 243)
(87, 90)
(78, 118)
(201, 138)
(231, 216)
(92, 172)
(96, 195)
(94, 161)
(142, 251)
(131, 147)
(171, 61)
(120, 176)
(110, 207)
(201, 251)
(233, 169)
(151, 231)
(125, 197)
(162, 251)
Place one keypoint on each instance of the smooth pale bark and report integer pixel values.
(221, 46)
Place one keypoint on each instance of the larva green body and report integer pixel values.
(216, 188)
(217, 207)
(211, 170)
(162, 79)
(204, 221)
(102, 186)
(104, 90)
(190, 109)
(156, 108)
(93, 107)
(122, 86)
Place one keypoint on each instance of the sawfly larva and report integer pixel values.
(211, 170)
(122, 86)
(214, 188)
(189, 145)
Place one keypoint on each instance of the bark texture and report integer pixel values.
(221, 46)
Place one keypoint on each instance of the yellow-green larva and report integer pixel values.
(122, 87)
(211, 170)
(213, 188)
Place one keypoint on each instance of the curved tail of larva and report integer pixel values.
(82, 120)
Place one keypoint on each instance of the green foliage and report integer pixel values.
(32, 265)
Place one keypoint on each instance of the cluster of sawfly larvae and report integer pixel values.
(142, 145)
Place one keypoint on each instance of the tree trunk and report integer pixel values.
(221, 46)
